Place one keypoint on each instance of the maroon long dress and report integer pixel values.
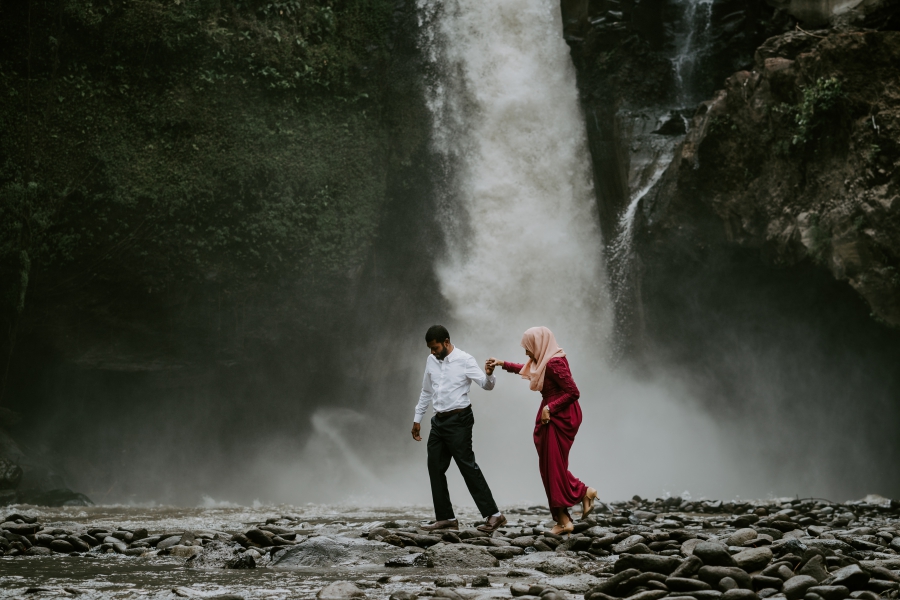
(554, 440)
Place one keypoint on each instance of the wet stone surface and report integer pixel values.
(636, 550)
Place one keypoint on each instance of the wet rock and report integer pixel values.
(829, 544)
(167, 542)
(403, 595)
(796, 587)
(505, 552)
(481, 581)
(865, 595)
(741, 536)
(38, 551)
(683, 584)
(242, 561)
(815, 568)
(183, 551)
(740, 594)
(463, 556)
(627, 543)
(610, 585)
(340, 590)
(637, 549)
(761, 582)
(688, 567)
(577, 584)
(712, 575)
(558, 565)
(727, 583)
(851, 576)
(753, 559)
(714, 554)
(214, 554)
(416, 559)
(881, 586)
(648, 563)
(78, 544)
(451, 581)
(61, 546)
(519, 589)
(324, 551)
(830, 592)
(699, 595)
(448, 594)
(258, 536)
(20, 528)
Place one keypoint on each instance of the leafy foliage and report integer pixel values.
(810, 117)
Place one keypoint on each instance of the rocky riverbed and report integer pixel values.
(800, 549)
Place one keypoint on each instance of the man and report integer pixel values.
(448, 374)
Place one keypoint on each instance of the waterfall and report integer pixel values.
(520, 220)
(690, 42)
(523, 248)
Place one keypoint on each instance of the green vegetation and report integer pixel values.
(154, 144)
(811, 117)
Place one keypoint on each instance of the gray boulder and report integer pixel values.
(465, 556)
(795, 587)
(815, 568)
(340, 590)
(741, 536)
(647, 563)
(753, 559)
(713, 575)
(577, 584)
(559, 565)
(739, 594)
(323, 551)
(851, 576)
(830, 592)
(714, 554)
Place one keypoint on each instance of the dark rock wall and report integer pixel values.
(232, 213)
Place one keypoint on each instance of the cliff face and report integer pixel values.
(797, 159)
(200, 203)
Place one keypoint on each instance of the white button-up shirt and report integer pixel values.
(446, 382)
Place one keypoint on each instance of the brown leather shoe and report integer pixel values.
(491, 524)
(448, 524)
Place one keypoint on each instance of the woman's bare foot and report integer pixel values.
(587, 503)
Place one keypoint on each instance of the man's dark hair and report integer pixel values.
(437, 333)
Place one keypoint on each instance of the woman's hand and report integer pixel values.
(545, 415)
(491, 364)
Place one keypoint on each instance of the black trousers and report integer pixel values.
(451, 437)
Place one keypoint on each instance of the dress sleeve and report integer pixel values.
(558, 370)
(512, 367)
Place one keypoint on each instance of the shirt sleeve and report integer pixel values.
(512, 367)
(425, 397)
(558, 370)
(476, 375)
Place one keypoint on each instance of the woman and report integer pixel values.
(556, 424)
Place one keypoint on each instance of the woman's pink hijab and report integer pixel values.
(541, 342)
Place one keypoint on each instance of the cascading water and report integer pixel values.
(524, 249)
(521, 222)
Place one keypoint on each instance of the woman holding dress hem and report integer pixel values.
(556, 424)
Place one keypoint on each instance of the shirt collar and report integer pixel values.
(453, 355)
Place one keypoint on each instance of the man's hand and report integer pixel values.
(545, 415)
(415, 432)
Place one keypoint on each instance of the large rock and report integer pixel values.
(684, 584)
(739, 537)
(714, 554)
(627, 543)
(830, 592)
(323, 551)
(216, 555)
(460, 556)
(559, 565)
(740, 594)
(795, 587)
(815, 568)
(577, 584)
(823, 544)
(753, 559)
(340, 590)
(851, 576)
(505, 552)
(713, 575)
(647, 563)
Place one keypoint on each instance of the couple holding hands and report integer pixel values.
(449, 372)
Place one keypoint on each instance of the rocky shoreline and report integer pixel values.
(640, 550)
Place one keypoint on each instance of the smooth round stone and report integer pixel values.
(767, 592)
(727, 583)
(450, 581)
(61, 546)
(519, 589)
(403, 595)
(340, 590)
(830, 592)
(741, 536)
(481, 581)
(713, 554)
(796, 587)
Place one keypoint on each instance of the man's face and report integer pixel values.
(440, 350)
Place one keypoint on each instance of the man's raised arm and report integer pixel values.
(476, 375)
